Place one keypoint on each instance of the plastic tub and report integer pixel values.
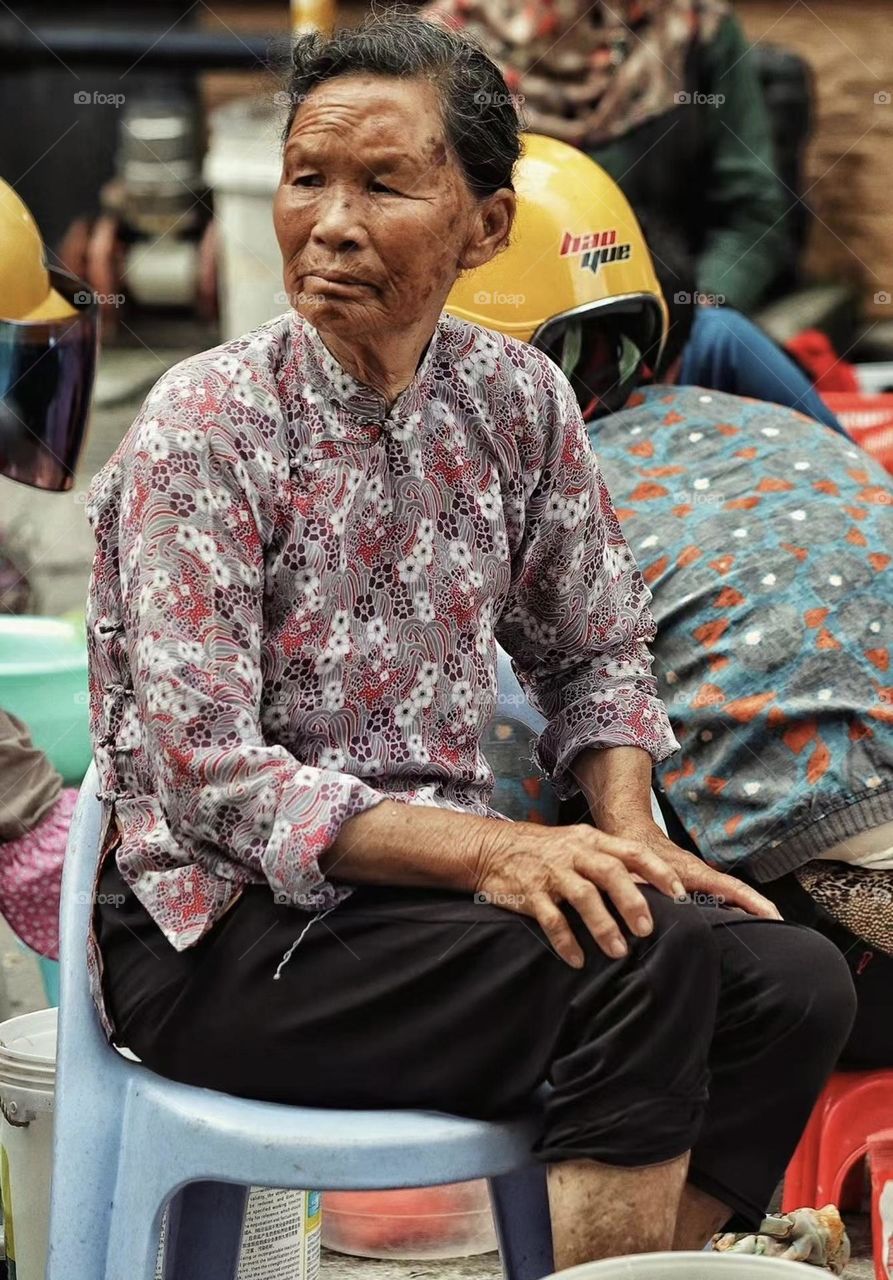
(27, 1093)
(43, 681)
(243, 167)
(452, 1221)
(680, 1266)
(280, 1239)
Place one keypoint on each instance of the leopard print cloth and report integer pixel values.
(860, 900)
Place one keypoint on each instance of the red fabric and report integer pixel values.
(31, 877)
(869, 421)
(829, 372)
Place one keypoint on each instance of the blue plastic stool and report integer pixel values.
(127, 1141)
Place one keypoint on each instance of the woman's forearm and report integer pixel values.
(616, 782)
(421, 845)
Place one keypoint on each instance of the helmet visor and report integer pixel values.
(46, 380)
(601, 349)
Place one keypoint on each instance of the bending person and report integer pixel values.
(765, 541)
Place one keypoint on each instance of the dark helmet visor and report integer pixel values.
(46, 381)
(601, 349)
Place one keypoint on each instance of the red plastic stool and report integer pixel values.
(853, 1105)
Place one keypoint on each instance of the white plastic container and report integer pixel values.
(27, 1091)
(685, 1266)
(281, 1238)
(243, 166)
(418, 1223)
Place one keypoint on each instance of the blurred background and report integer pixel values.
(144, 139)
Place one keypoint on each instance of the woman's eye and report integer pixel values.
(380, 187)
(307, 180)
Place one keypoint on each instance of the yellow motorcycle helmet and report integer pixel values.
(576, 278)
(49, 336)
(26, 293)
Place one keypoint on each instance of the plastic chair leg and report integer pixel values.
(82, 1188)
(520, 1205)
(204, 1231)
(79, 1236)
(136, 1215)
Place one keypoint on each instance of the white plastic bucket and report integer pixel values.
(681, 1266)
(281, 1237)
(27, 1093)
(242, 167)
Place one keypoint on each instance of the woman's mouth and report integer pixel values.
(334, 283)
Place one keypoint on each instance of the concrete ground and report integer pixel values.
(52, 530)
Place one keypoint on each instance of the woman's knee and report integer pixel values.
(682, 929)
(812, 988)
(681, 941)
(681, 954)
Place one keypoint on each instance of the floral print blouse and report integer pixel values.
(297, 595)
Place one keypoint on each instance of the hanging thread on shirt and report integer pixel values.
(297, 942)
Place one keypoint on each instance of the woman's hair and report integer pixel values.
(480, 118)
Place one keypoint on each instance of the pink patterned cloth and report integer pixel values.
(297, 593)
(31, 877)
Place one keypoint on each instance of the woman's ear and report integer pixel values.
(491, 228)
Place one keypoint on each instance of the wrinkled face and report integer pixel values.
(373, 213)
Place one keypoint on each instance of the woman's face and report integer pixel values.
(373, 214)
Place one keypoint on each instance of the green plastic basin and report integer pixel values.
(43, 681)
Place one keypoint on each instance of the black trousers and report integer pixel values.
(870, 1044)
(715, 1034)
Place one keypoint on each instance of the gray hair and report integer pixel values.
(480, 116)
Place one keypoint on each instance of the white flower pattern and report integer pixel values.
(338, 564)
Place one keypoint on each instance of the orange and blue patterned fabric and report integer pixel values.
(767, 541)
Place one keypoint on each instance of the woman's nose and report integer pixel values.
(338, 224)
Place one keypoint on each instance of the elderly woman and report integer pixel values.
(307, 547)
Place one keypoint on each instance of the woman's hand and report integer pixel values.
(698, 878)
(533, 870)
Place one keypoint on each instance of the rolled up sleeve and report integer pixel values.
(192, 569)
(576, 621)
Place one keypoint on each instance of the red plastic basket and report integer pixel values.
(868, 419)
